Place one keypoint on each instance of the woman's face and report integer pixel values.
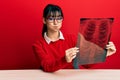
(54, 23)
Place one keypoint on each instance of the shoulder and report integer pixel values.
(39, 41)
(70, 36)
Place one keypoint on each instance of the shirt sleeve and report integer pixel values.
(46, 61)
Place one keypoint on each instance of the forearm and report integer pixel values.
(53, 65)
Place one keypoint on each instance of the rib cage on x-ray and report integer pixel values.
(93, 37)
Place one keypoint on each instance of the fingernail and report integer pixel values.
(77, 51)
(77, 48)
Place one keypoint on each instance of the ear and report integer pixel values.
(44, 21)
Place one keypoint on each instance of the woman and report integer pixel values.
(54, 49)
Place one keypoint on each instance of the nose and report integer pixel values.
(55, 21)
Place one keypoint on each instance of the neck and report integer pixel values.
(53, 35)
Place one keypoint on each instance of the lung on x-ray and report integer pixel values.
(93, 36)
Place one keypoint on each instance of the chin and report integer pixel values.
(56, 30)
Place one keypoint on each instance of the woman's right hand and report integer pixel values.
(70, 54)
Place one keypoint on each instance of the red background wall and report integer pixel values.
(21, 24)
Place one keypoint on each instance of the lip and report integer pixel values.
(56, 26)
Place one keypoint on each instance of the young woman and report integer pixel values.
(54, 49)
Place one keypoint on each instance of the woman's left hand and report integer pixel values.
(111, 49)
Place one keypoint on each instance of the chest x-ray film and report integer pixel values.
(93, 36)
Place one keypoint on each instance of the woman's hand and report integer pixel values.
(70, 54)
(111, 49)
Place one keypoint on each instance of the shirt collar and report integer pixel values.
(48, 40)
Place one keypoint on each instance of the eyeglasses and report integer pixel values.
(51, 19)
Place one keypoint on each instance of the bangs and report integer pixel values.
(54, 14)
